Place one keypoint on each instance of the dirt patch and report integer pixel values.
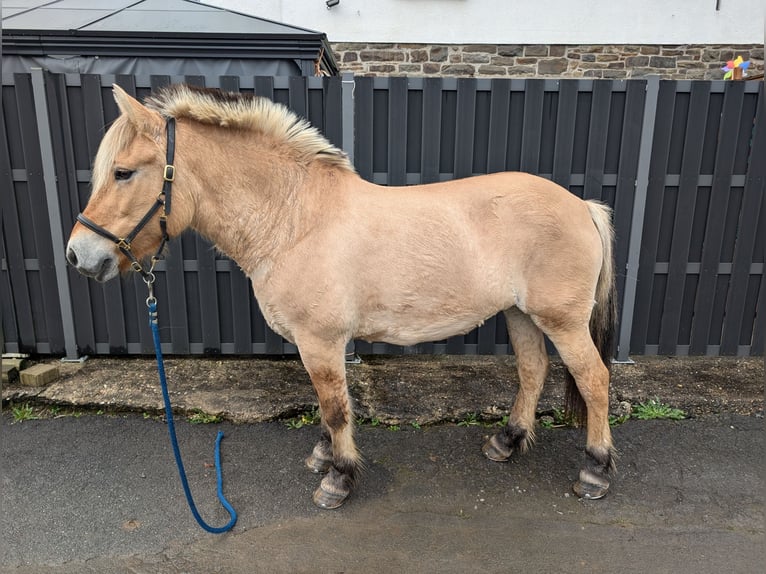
(394, 390)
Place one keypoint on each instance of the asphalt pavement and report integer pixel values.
(100, 493)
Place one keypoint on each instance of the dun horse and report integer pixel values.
(333, 257)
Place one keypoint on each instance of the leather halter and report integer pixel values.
(163, 200)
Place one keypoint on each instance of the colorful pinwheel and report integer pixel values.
(733, 65)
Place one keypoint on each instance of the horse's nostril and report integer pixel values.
(71, 256)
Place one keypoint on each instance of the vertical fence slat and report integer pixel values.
(597, 136)
(432, 110)
(533, 121)
(566, 114)
(397, 131)
(752, 205)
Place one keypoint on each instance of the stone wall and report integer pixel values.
(691, 61)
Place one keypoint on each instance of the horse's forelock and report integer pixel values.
(117, 138)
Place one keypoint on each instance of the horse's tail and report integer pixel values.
(603, 318)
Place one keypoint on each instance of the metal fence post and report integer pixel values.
(347, 105)
(348, 116)
(54, 212)
(637, 220)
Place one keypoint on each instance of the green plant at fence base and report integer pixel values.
(23, 413)
(615, 420)
(310, 417)
(653, 409)
(470, 420)
(199, 417)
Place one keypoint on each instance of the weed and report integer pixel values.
(394, 427)
(653, 409)
(198, 417)
(618, 420)
(23, 413)
(415, 425)
(470, 420)
(555, 420)
(310, 417)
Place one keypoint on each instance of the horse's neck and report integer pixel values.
(249, 208)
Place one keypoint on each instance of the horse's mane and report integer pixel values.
(245, 111)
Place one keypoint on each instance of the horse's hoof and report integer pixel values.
(318, 465)
(590, 491)
(494, 450)
(329, 500)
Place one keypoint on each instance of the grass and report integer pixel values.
(653, 409)
(198, 417)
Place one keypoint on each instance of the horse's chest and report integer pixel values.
(276, 321)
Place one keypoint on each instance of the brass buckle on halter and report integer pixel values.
(170, 172)
(123, 245)
(136, 266)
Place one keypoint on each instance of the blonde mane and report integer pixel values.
(243, 111)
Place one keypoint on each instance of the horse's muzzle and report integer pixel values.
(93, 257)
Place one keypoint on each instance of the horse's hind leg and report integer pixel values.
(532, 364)
(336, 452)
(576, 348)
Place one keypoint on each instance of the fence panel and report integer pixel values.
(701, 267)
(30, 309)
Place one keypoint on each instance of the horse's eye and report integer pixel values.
(123, 174)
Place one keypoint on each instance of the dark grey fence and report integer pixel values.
(676, 160)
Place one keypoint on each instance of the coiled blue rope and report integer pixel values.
(151, 303)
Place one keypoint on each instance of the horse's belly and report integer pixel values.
(411, 329)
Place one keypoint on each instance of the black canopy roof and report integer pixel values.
(177, 29)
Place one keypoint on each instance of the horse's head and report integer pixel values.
(122, 223)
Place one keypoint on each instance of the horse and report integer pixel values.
(333, 257)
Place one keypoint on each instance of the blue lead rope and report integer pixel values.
(151, 303)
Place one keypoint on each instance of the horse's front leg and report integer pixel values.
(336, 453)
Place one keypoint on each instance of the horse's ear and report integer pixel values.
(144, 119)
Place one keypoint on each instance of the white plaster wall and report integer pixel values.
(520, 21)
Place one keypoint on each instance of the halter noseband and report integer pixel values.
(163, 199)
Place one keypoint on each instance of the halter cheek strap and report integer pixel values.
(163, 200)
